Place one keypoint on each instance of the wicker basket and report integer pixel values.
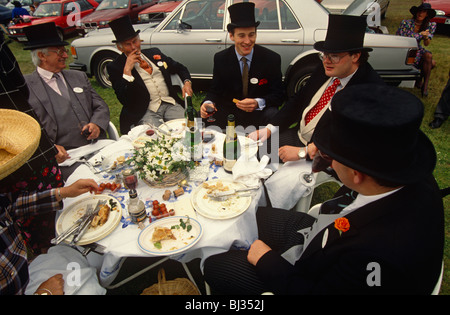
(179, 286)
(168, 180)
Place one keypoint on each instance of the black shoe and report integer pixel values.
(436, 123)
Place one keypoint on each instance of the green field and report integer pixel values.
(440, 47)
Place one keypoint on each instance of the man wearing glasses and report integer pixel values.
(344, 62)
(66, 104)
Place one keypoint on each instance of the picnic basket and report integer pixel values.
(178, 286)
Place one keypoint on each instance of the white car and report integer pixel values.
(196, 30)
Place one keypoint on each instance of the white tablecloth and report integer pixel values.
(218, 236)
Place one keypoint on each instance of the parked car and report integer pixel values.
(110, 10)
(196, 30)
(442, 18)
(5, 15)
(64, 13)
(158, 12)
(339, 6)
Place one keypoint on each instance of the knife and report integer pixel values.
(70, 230)
(230, 192)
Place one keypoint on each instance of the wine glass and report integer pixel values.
(320, 162)
(210, 109)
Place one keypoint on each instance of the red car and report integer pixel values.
(158, 12)
(442, 8)
(65, 13)
(110, 10)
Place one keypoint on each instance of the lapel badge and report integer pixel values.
(78, 90)
(254, 81)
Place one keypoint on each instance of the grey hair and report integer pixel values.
(34, 55)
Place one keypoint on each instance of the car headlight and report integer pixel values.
(440, 12)
(103, 23)
(144, 17)
(12, 31)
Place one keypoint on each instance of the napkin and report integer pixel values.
(249, 171)
(284, 187)
(77, 153)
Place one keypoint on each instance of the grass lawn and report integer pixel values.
(440, 47)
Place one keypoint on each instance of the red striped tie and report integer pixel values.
(324, 99)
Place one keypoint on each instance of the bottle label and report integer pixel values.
(228, 164)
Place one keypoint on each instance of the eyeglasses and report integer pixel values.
(334, 58)
(60, 52)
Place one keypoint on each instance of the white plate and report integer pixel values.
(248, 146)
(175, 127)
(213, 209)
(108, 161)
(184, 240)
(76, 211)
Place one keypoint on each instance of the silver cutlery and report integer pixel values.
(73, 228)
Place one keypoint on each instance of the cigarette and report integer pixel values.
(235, 100)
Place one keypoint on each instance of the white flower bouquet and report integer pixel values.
(161, 158)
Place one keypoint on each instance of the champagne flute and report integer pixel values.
(210, 109)
(320, 162)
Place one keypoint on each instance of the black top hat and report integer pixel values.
(424, 6)
(42, 36)
(375, 129)
(242, 15)
(345, 33)
(123, 29)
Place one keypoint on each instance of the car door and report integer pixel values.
(279, 29)
(193, 35)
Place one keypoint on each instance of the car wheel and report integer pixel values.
(300, 75)
(99, 68)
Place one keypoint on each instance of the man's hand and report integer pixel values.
(203, 107)
(53, 286)
(289, 153)
(62, 154)
(187, 88)
(93, 129)
(260, 134)
(132, 58)
(257, 250)
(247, 105)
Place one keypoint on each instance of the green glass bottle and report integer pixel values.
(192, 138)
(231, 146)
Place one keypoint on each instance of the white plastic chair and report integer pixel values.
(304, 204)
(112, 132)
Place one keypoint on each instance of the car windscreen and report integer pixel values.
(112, 4)
(48, 9)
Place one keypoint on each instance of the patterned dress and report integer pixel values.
(406, 29)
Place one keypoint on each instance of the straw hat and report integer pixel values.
(19, 138)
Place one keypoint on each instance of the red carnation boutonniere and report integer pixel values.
(262, 82)
(157, 57)
(342, 225)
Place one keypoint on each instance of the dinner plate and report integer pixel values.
(184, 239)
(221, 210)
(175, 127)
(248, 146)
(109, 160)
(76, 211)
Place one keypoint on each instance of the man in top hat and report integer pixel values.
(344, 63)
(383, 233)
(141, 80)
(66, 104)
(247, 79)
(19, 137)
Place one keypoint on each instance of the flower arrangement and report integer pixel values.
(161, 157)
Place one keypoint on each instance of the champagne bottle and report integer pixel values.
(193, 140)
(231, 146)
(136, 209)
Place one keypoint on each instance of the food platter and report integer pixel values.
(77, 210)
(219, 210)
(176, 128)
(184, 239)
